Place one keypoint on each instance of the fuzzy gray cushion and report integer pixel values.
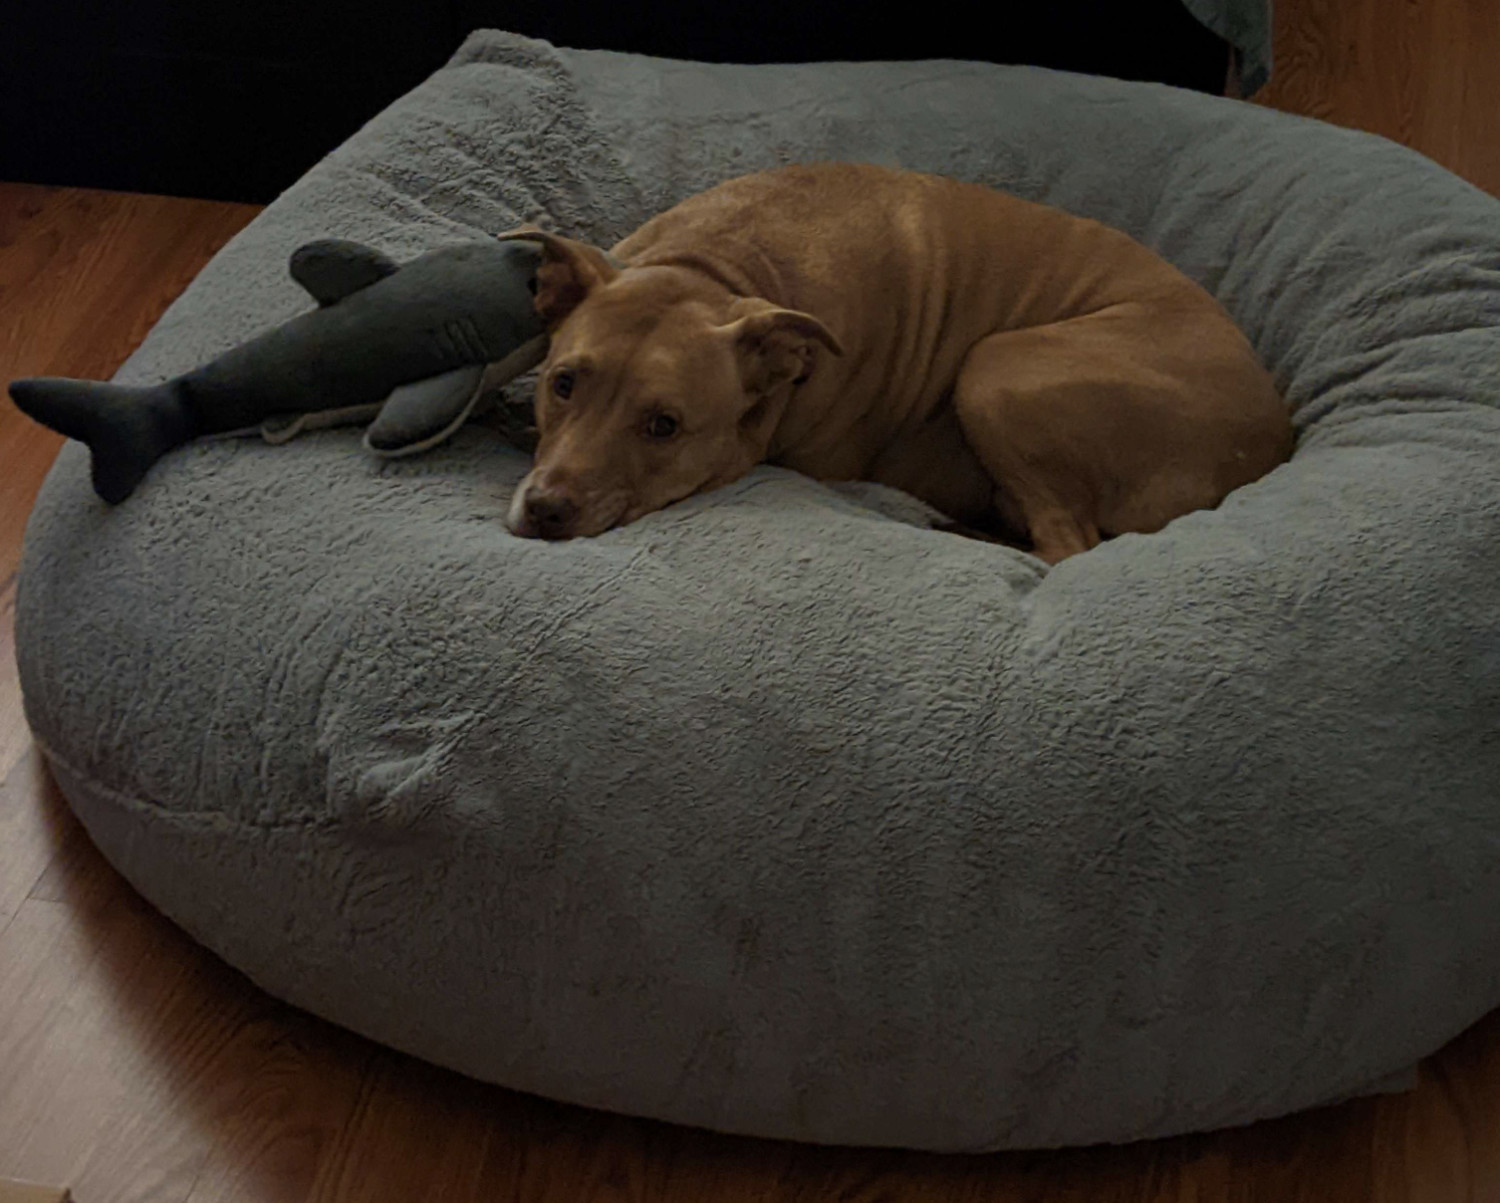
(778, 812)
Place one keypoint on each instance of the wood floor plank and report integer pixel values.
(85, 274)
(28, 839)
(1421, 73)
(15, 737)
(294, 1089)
(84, 1096)
(139, 1067)
(419, 1136)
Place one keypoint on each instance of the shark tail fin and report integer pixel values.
(127, 428)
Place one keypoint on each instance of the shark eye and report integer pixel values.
(660, 426)
(562, 384)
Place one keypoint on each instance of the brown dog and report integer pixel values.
(1024, 371)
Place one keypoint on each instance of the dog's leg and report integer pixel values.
(1057, 532)
(1118, 420)
(1010, 420)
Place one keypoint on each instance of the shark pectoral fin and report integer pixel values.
(421, 415)
(332, 268)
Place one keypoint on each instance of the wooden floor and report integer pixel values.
(1425, 73)
(134, 1066)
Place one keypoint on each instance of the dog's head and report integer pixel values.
(658, 384)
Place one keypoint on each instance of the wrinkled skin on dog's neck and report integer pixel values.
(661, 381)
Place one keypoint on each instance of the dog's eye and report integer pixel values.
(660, 426)
(562, 384)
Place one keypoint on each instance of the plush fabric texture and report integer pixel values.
(778, 812)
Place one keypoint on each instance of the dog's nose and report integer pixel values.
(551, 515)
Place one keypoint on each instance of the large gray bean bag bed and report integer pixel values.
(779, 812)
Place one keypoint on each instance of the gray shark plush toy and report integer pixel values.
(411, 341)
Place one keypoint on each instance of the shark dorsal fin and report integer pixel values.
(332, 268)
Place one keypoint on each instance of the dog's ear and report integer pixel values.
(775, 346)
(569, 271)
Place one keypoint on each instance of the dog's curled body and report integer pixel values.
(1023, 370)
